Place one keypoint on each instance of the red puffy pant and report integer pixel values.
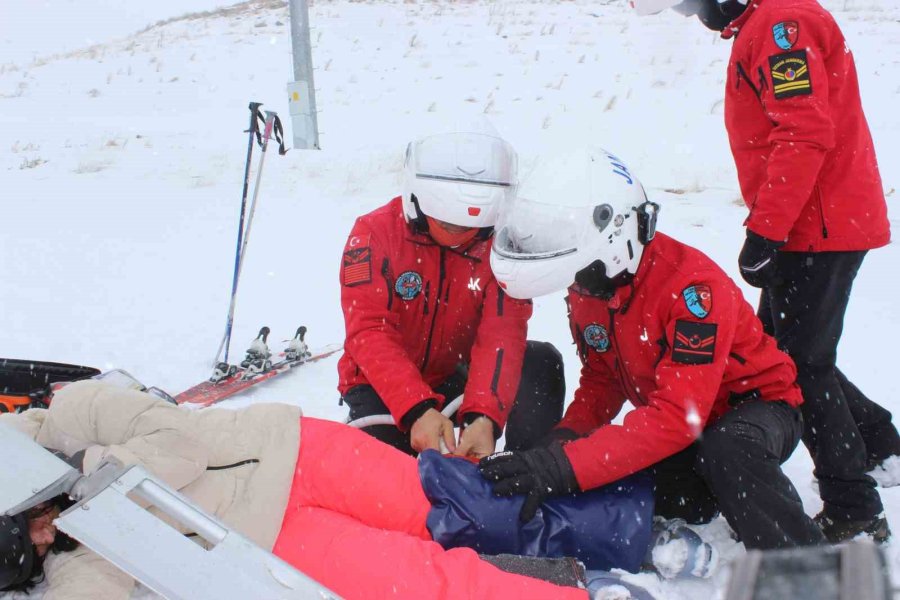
(355, 522)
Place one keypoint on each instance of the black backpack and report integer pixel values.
(30, 384)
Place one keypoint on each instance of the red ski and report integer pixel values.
(255, 369)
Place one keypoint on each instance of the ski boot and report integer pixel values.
(223, 371)
(297, 348)
(258, 354)
(676, 551)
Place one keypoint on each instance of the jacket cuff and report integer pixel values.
(413, 414)
(471, 417)
(562, 435)
(769, 243)
(483, 404)
(764, 228)
(565, 467)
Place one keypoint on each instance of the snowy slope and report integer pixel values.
(121, 167)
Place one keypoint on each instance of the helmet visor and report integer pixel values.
(465, 158)
(529, 230)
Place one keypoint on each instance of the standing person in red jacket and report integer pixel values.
(425, 319)
(808, 174)
(657, 323)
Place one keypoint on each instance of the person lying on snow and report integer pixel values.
(658, 323)
(340, 506)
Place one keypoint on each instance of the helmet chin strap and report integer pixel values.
(419, 224)
(593, 280)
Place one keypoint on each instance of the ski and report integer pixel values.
(256, 368)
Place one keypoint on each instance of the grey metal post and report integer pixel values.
(301, 91)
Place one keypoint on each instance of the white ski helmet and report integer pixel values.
(570, 212)
(460, 177)
(715, 14)
(652, 7)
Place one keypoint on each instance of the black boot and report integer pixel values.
(840, 531)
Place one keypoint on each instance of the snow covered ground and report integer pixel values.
(121, 165)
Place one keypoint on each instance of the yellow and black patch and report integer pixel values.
(790, 74)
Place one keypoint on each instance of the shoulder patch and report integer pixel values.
(698, 299)
(790, 74)
(695, 343)
(358, 241)
(786, 34)
(357, 266)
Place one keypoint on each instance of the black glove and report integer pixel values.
(757, 260)
(538, 473)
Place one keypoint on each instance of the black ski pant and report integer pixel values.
(846, 433)
(537, 409)
(735, 468)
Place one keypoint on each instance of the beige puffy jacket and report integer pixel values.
(258, 447)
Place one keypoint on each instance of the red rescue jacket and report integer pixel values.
(414, 310)
(682, 345)
(801, 144)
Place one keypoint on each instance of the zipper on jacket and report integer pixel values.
(577, 335)
(818, 194)
(249, 461)
(387, 280)
(620, 368)
(434, 314)
(738, 358)
(500, 296)
(763, 82)
(495, 380)
(427, 295)
(742, 74)
(578, 339)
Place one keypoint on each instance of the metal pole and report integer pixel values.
(301, 91)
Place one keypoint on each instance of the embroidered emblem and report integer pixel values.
(408, 285)
(357, 267)
(597, 337)
(695, 343)
(698, 299)
(785, 34)
(790, 74)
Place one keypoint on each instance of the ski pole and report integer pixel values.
(253, 131)
(271, 128)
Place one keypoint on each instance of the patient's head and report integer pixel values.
(25, 540)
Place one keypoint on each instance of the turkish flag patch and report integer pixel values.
(357, 267)
(695, 343)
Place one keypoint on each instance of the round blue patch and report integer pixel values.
(408, 285)
(597, 337)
